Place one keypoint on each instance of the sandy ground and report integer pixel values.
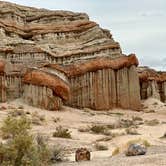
(74, 119)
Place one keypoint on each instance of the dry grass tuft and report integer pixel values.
(116, 151)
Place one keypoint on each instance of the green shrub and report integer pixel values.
(23, 149)
(13, 127)
(62, 132)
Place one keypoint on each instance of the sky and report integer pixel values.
(138, 25)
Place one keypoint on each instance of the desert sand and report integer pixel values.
(75, 119)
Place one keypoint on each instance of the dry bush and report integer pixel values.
(104, 139)
(99, 129)
(62, 132)
(152, 122)
(116, 151)
(100, 147)
(137, 118)
(23, 149)
(84, 129)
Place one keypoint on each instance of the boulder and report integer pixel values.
(82, 154)
(136, 149)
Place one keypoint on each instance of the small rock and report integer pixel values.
(82, 154)
(135, 150)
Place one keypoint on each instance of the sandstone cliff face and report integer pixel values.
(152, 83)
(103, 83)
(56, 57)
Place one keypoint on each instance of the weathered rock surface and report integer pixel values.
(152, 83)
(135, 150)
(72, 61)
(82, 154)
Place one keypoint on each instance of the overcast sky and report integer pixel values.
(139, 25)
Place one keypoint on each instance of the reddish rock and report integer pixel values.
(82, 154)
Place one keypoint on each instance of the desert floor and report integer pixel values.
(45, 122)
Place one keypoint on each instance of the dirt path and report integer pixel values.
(156, 156)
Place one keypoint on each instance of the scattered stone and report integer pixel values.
(136, 149)
(82, 154)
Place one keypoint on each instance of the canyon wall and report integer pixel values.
(50, 58)
(152, 83)
(103, 83)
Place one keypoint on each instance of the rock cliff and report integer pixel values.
(152, 83)
(50, 58)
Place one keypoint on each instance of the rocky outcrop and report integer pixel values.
(45, 90)
(103, 83)
(152, 83)
(61, 57)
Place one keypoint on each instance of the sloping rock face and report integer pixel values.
(103, 83)
(90, 71)
(152, 83)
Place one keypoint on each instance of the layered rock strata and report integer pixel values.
(103, 83)
(45, 89)
(56, 57)
(152, 83)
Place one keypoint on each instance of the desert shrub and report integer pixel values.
(57, 154)
(23, 149)
(105, 139)
(62, 132)
(125, 123)
(115, 151)
(99, 129)
(13, 127)
(137, 118)
(84, 129)
(100, 147)
(152, 122)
